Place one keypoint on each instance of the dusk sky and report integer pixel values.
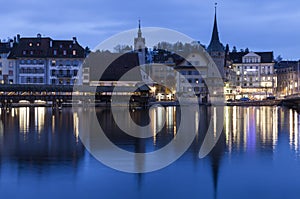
(260, 25)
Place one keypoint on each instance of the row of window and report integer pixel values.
(32, 61)
(253, 67)
(251, 60)
(31, 70)
(64, 63)
(64, 52)
(63, 81)
(255, 73)
(190, 72)
(256, 79)
(64, 72)
(29, 80)
(53, 62)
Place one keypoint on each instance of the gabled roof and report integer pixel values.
(251, 54)
(113, 66)
(237, 57)
(45, 47)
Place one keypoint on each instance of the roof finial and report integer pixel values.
(139, 23)
(139, 30)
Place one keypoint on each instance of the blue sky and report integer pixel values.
(260, 25)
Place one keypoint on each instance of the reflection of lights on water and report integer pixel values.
(174, 122)
(291, 127)
(1, 129)
(160, 112)
(275, 127)
(169, 117)
(75, 126)
(53, 124)
(13, 112)
(215, 122)
(197, 123)
(39, 113)
(24, 119)
(153, 118)
(296, 130)
(227, 126)
(234, 125)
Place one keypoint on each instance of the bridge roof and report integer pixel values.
(66, 88)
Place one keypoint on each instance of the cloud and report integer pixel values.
(256, 24)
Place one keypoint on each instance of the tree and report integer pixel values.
(278, 58)
(234, 49)
(247, 50)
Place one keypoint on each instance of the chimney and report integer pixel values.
(18, 38)
(15, 39)
(11, 43)
(74, 40)
(50, 43)
(39, 35)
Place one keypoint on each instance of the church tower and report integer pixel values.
(215, 48)
(140, 45)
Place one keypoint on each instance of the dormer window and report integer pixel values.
(74, 52)
(30, 44)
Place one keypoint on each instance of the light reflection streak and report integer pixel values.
(39, 113)
(24, 119)
(75, 126)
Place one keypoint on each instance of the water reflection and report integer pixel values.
(45, 142)
(39, 137)
(250, 128)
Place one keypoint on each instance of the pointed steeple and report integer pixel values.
(139, 31)
(215, 34)
(215, 44)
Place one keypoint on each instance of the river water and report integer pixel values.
(256, 156)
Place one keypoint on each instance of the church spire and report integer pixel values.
(215, 34)
(215, 44)
(139, 31)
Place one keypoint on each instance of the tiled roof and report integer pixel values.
(237, 57)
(286, 64)
(113, 66)
(42, 47)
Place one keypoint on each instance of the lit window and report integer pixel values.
(30, 44)
(38, 44)
(53, 63)
(74, 52)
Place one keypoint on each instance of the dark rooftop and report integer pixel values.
(237, 57)
(42, 47)
(113, 66)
